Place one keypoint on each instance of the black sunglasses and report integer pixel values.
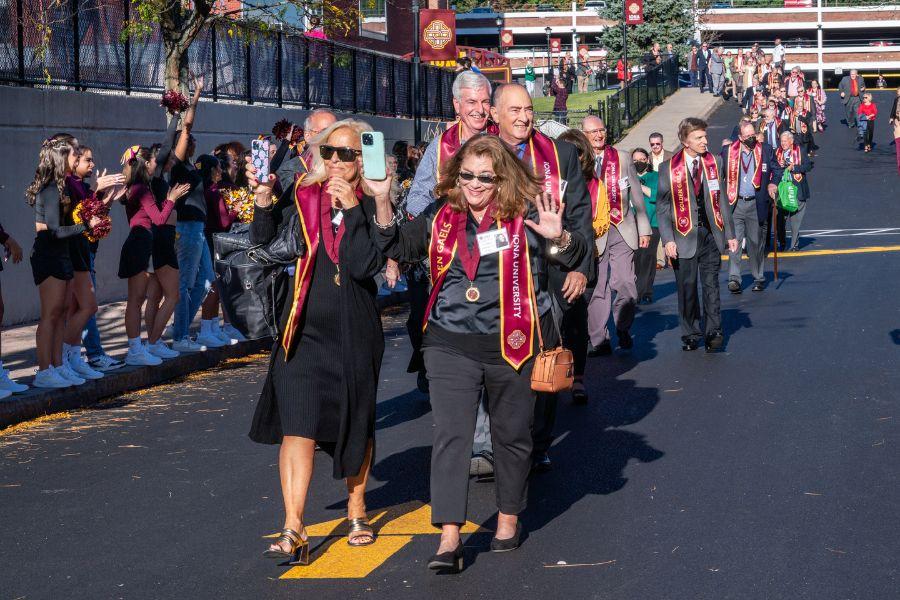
(344, 154)
(485, 179)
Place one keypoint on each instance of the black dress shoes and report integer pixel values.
(498, 545)
(734, 287)
(759, 286)
(715, 342)
(604, 349)
(646, 299)
(541, 463)
(579, 396)
(690, 344)
(448, 561)
(625, 341)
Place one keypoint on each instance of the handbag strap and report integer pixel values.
(537, 318)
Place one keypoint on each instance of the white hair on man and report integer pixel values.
(469, 80)
(788, 135)
(307, 123)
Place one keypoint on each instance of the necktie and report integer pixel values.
(695, 175)
(598, 166)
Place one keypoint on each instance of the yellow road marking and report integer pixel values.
(394, 527)
(863, 250)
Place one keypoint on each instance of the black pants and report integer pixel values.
(705, 80)
(645, 266)
(418, 300)
(780, 231)
(456, 381)
(705, 263)
(545, 404)
(870, 131)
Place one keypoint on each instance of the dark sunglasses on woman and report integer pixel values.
(485, 179)
(344, 154)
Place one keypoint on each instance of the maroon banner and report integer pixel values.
(555, 44)
(634, 12)
(438, 34)
(506, 38)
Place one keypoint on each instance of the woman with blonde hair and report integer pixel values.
(488, 238)
(323, 374)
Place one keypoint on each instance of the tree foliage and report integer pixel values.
(665, 21)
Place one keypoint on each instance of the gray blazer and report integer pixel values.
(665, 215)
(634, 223)
(716, 64)
(844, 88)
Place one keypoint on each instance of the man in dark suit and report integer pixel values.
(851, 88)
(772, 127)
(695, 226)
(747, 191)
(788, 156)
(658, 154)
(703, 67)
(513, 112)
(749, 95)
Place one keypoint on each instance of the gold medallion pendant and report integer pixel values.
(337, 277)
(472, 294)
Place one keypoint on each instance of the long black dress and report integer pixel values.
(326, 388)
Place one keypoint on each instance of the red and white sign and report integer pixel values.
(555, 44)
(798, 3)
(634, 12)
(506, 38)
(438, 37)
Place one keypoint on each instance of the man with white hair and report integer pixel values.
(472, 103)
(851, 89)
(316, 121)
(789, 157)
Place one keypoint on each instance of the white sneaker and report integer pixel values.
(187, 345)
(233, 333)
(81, 368)
(4, 394)
(9, 385)
(160, 350)
(210, 340)
(66, 372)
(139, 357)
(105, 363)
(49, 378)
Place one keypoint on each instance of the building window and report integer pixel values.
(373, 19)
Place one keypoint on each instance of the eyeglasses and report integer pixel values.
(344, 154)
(654, 144)
(593, 131)
(483, 178)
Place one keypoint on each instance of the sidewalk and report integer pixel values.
(686, 102)
(20, 358)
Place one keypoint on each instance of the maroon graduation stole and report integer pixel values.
(681, 196)
(611, 173)
(795, 160)
(450, 143)
(733, 170)
(517, 314)
(314, 209)
(544, 158)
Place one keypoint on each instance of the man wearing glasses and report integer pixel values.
(629, 229)
(658, 154)
(316, 122)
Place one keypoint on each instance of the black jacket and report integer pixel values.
(763, 200)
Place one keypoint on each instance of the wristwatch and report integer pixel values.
(564, 243)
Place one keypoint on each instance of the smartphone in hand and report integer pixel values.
(374, 167)
(259, 152)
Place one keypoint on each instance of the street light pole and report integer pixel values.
(627, 114)
(499, 35)
(416, 91)
(548, 31)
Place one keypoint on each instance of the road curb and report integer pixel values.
(38, 402)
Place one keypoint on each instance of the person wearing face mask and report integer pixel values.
(645, 258)
(553, 161)
(629, 230)
(747, 187)
(696, 228)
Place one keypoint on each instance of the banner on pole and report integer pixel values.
(438, 34)
(555, 44)
(634, 12)
(506, 38)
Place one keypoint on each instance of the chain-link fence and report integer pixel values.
(84, 48)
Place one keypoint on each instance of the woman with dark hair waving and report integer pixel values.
(51, 263)
(488, 239)
(323, 374)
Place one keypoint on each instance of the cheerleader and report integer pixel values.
(51, 264)
(143, 213)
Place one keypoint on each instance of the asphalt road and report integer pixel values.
(767, 471)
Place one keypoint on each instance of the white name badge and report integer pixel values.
(713, 185)
(492, 241)
(764, 167)
(623, 183)
(338, 218)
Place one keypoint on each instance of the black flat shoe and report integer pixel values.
(759, 286)
(690, 344)
(625, 340)
(734, 287)
(541, 464)
(508, 544)
(604, 349)
(715, 342)
(448, 561)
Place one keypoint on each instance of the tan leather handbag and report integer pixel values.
(554, 370)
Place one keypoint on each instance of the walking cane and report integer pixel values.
(775, 236)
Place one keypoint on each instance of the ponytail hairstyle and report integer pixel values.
(53, 166)
(135, 168)
(206, 165)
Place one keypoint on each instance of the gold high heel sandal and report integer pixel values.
(361, 528)
(299, 554)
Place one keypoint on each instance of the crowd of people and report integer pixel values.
(512, 243)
